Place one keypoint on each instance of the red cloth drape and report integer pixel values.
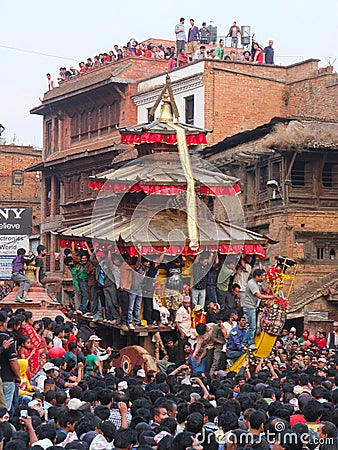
(225, 249)
(120, 188)
(152, 138)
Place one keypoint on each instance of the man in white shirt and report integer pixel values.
(180, 36)
(183, 324)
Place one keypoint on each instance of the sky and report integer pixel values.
(73, 31)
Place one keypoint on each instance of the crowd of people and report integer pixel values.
(190, 47)
(61, 389)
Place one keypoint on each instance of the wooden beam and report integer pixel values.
(119, 91)
(294, 156)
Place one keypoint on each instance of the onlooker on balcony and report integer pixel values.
(220, 50)
(180, 36)
(193, 39)
(183, 58)
(204, 33)
(234, 31)
(269, 53)
(259, 55)
(246, 57)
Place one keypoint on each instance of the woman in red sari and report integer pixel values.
(28, 330)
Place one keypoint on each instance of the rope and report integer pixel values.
(191, 198)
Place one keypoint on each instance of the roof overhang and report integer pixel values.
(48, 102)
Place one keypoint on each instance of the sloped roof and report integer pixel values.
(135, 172)
(306, 132)
(311, 291)
(159, 127)
(159, 230)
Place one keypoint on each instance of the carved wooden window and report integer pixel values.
(84, 124)
(69, 188)
(48, 195)
(57, 194)
(320, 252)
(94, 122)
(250, 187)
(49, 137)
(104, 122)
(114, 114)
(298, 174)
(327, 175)
(276, 171)
(56, 134)
(263, 177)
(74, 128)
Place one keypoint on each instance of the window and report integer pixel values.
(298, 174)
(276, 171)
(189, 110)
(48, 195)
(327, 175)
(84, 124)
(56, 134)
(74, 128)
(17, 177)
(263, 177)
(57, 194)
(94, 122)
(149, 116)
(332, 254)
(49, 137)
(250, 187)
(104, 115)
(320, 252)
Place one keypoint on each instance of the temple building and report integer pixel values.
(83, 116)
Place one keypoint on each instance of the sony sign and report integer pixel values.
(15, 229)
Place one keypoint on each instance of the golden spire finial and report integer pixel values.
(169, 106)
(165, 112)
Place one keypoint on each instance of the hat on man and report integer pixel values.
(122, 385)
(323, 360)
(141, 373)
(75, 403)
(93, 337)
(198, 308)
(50, 366)
(297, 389)
(335, 324)
(101, 254)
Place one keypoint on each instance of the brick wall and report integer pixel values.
(242, 96)
(314, 97)
(18, 158)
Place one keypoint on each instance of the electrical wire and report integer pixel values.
(37, 53)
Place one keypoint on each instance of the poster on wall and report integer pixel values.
(15, 229)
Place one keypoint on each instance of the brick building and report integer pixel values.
(19, 189)
(228, 97)
(288, 171)
(81, 118)
(81, 138)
